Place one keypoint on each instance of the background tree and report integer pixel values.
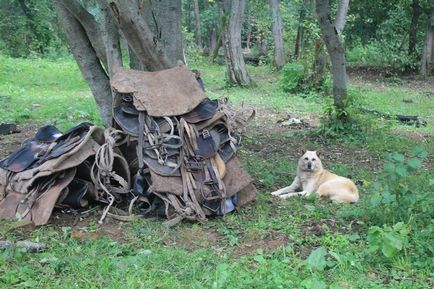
(336, 52)
(427, 57)
(341, 15)
(198, 33)
(279, 54)
(29, 27)
(231, 18)
(412, 34)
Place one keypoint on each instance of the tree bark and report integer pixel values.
(335, 51)
(213, 39)
(412, 34)
(164, 19)
(88, 23)
(427, 54)
(341, 15)
(197, 34)
(279, 55)
(110, 35)
(88, 62)
(299, 36)
(249, 33)
(215, 51)
(231, 39)
(145, 44)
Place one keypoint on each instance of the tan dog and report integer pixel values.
(311, 178)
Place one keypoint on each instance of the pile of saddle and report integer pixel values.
(170, 152)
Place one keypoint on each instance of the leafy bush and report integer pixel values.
(347, 122)
(292, 76)
(364, 54)
(391, 240)
(401, 202)
(398, 195)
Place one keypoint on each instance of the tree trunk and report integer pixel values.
(197, 34)
(231, 39)
(427, 54)
(412, 34)
(164, 19)
(213, 39)
(110, 35)
(335, 51)
(88, 62)
(299, 37)
(91, 27)
(432, 52)
(341, 15)
(249, 33)
(215, 51)
(279, 55)
(145, 44)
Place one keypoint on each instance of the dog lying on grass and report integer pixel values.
(312, 177)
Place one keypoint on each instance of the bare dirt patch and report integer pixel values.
(85, 227)
(194, 238)
(9, 143)
(271, 242)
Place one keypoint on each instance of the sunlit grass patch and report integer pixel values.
(43, 91)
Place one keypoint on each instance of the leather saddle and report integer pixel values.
(47, 144)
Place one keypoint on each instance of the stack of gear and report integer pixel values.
(170, 153)
(181, 145)
(51, 169)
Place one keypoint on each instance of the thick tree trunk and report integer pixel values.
(145, 44)
(110, 35)
(412, 34)
(164, 19)
(197, 32)
(88, 62)
(335, 51)
(91, 27)
(427, 54)
(231, 39)
(341, 15)
(279, 55)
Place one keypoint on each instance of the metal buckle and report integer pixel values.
(194, 164)
(206, 134)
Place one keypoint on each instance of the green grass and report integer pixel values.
(265, 245)
(42, 91)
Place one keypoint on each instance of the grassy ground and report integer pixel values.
(297, 243)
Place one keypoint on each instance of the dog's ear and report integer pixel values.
(302, 152)
(318, 153)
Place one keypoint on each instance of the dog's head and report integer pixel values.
(310, 161)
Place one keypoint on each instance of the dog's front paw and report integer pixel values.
(285, 196)
(303, 193)
(276, 193)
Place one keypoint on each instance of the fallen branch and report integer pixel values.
(403, 119)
